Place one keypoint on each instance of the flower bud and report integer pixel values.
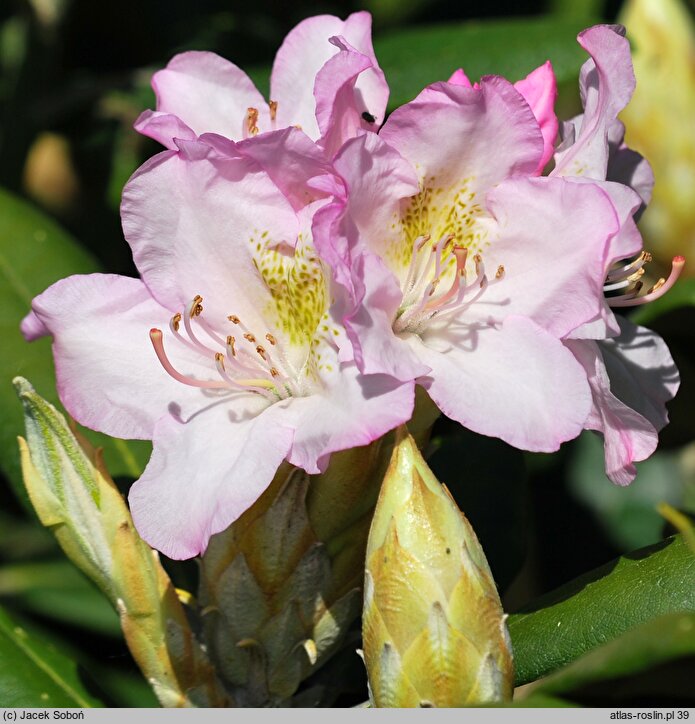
(433, 626)
(281, 587)
(76, 499)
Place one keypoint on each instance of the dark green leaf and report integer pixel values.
(34, 253)
(414, 58)
(34, 673)
(601, 605)
(682, 295)
(643, 647)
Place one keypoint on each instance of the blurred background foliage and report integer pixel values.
(75, 75)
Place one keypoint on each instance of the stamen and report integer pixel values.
(193, 309)
(500, 272)
(250, 338)
(156, 338)
(459, 281)
(273, 107)
(230, 345)
(263, 387)
(625, 271)
(415, 261)
(175, 322)
(271, 339)
(658, 290)
(261, 352)
(251, 128)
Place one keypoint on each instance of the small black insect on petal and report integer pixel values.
(368, 117)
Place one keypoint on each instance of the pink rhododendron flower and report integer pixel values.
(469, 272)
(325, 79)
(469, 268)
(224, 353)
(630, 370)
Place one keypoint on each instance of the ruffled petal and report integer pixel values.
(370, 329)
(304, 52)
(208, 94)
(642, 372)
(203, 474)
(163, 127)
(290, 158)
(32, 328)
(606, 82)
(515, 382)
(627, 435)
(451, 133)
(108, 375)
(197, 221)
(539, 89)
(628, 167)
(377, 178)
(550, 237)
(341, 112)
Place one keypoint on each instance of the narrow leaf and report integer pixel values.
(601, 605)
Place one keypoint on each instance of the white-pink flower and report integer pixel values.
(224, 353)
(466, 267)
(325, 80)
(630, 370)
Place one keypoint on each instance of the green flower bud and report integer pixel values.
(76, 499)
(433, 627)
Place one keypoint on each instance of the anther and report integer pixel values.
(500, 272)
(274, 372)
(261, 352)
(271, 339)
(656, 291)
(252, 121)
(273, 106)
(230, 345)
(176, 321)
(234, 319)
(250, 338)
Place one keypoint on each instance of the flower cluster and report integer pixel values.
(304, 265)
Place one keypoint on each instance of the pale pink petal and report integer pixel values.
(289, 157)
(626, 243)
(340, 113)
(642, 372)
(549, 235)
(539, 88)
(304, 52)
(627, 435)
(458, 77)
(543, 403)
(108, 376)
(163, 127)
(377, 179)
(195, 220)
(203, 474)
(208, 94)
(352, 410)
(370, 329)
(607, 82)
(455, 135)
(32, 328)
(628, 167)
